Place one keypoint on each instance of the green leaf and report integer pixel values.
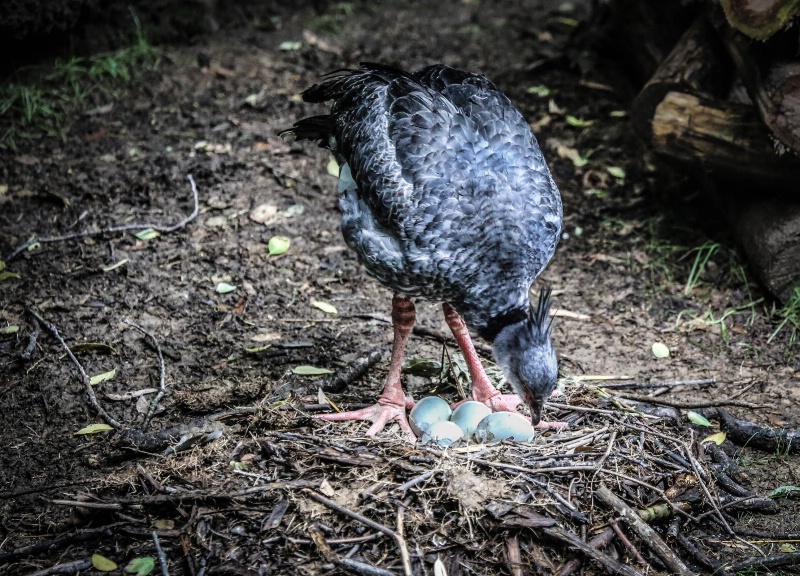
(660, 350)
(225, 288)
(290, 46)
(310, 371)
(616, 172)
(782, 491)
(102, 563)
(141, 566)
(578, 122)
(9, 329)
(2, 265)
(541, 91)
(94, 429)
(96, 379)
(618, 113)
(698, 419)
(147, 234)
(278, 245)
(8, 275)
(324, 306)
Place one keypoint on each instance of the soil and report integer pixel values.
(622, 266)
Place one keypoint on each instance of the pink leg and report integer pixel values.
(482, 388)
(391, 406)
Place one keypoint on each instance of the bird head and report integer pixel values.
(524, 350)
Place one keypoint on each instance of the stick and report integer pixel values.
(113, 229)
(792, 559)
(162, 559)
(701, 556)
(398, 538)
(627, 543)
(162, 370)
(66, 568)
(669, 384)
(513, 556)
(710, 404)
(600, 541)
(84, 377)
(333, 557)
(606, 561)
(645, 532)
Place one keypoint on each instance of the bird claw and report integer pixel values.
(380, 414)
(556, 426)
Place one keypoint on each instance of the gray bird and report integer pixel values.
(445, 195)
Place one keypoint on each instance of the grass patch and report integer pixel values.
(790, 319)
(49, 104)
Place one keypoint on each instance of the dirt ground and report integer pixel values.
(621, 271)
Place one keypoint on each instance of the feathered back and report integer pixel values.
(447, 194)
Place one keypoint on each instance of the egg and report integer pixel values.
(501, 426)
(428, 411)
(444, 433)
(469, 414)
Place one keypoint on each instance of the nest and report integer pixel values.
(622, 492)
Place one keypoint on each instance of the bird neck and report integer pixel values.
(498, 322)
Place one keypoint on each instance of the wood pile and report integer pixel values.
(726, 100)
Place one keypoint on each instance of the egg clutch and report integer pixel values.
(434, 421)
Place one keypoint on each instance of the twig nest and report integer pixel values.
(427, 412)
(501, 426)
(469, 414)
(444, 433)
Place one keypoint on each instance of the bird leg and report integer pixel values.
(482, 388)
(391, 406)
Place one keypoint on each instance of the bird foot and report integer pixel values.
(557, 426)
(380, 414)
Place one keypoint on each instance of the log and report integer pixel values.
(723, 139)
(697, 64)
(771, 73)
(760, 19)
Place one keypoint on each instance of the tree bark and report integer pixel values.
(760, 19)
(771, 74)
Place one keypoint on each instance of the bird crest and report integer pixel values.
(539, 314)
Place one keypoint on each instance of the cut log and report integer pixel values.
(772, 77)
(729, 142)
(760, 19)
(723, 139)
(697, 64)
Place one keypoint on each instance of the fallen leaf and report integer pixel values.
(290, 46)
(310, 371)
(578, 122)
(104, 377)
(718, 438)
(660, 350)
(616, 172)
(117, 265)
(94, 429)
(147, 234)
(102, 563)
(9, 329)
(278, 245)
(333, 167)
(324, 306)
(698, 419)
(225, 288)
(782, 491)
(326, 488)
(141, 566)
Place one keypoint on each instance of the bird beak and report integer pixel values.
(535, 407)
